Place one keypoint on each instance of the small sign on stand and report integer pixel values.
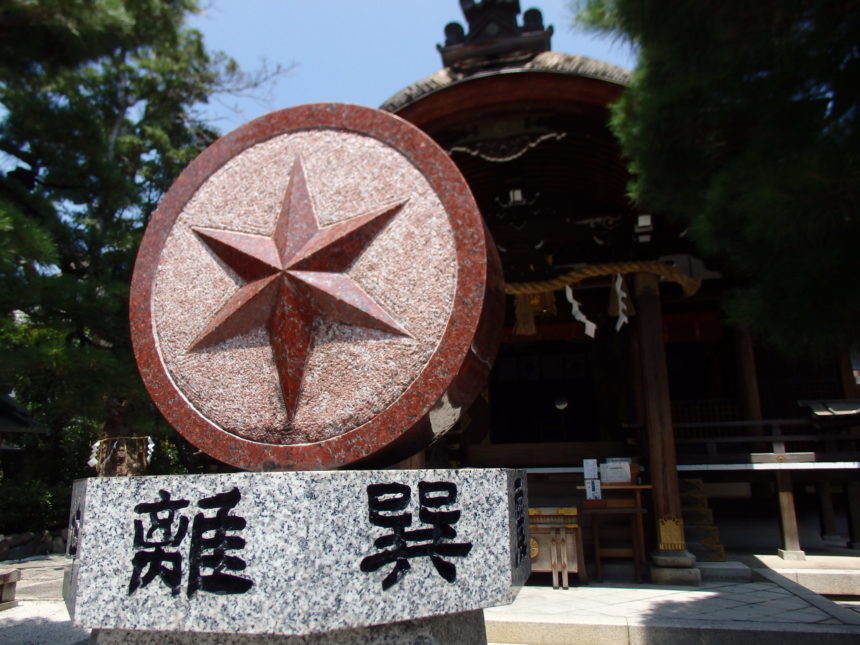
(592, 479)
(589, 467)
(592, 489)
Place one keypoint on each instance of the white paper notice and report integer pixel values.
(616, 472)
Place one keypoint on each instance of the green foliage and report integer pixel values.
(167, 458)
(33, 505)
(46, 34)
(742, 123)
(96, 121)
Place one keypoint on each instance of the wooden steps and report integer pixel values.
(700, 532)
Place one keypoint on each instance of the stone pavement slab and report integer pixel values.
(777, 611)
(39, 576)
(40, 622)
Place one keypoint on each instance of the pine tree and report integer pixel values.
(742, 123)
(96, 120)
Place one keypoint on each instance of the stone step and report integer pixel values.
(729, 571)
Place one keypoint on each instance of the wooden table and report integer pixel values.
(629, 506)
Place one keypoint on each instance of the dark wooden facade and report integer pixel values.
(676, 389)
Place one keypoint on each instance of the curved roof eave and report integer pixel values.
(555, 62)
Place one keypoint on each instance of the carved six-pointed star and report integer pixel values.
(295, 276)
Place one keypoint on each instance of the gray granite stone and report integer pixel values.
(682, 559)
(76, 511)
(730, 571)
(301, 553)
(452, 629)
(791, 555)
(675, 576)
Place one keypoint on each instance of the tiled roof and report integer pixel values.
(544, 62)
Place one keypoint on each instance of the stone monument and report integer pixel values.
(317, 291)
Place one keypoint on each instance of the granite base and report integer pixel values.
(294, 554)
(675, 576)
(787, 554)
(673, 559)
(466, 628)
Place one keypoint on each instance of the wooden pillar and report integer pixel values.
(638, 394)
(826, 514)
(846, 372)
(788, 518)
(663, 463)
(852, 491)
(751, 399)
(748, 377)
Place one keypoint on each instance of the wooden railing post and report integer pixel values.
(852, 491)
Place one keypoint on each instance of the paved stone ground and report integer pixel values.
(719, 601)
(41, 617)
(777, 610)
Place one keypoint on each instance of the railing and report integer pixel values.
(766, 440)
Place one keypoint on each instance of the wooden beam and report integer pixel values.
(526, 455)
(781, 457)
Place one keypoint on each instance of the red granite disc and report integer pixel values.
(317, 288)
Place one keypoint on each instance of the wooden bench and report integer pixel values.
(8, 579)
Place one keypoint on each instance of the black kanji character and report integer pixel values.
(520, 512)
(395, 497)
(217, 545)
(161, 519)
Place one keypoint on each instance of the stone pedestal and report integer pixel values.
(674, 568)
(791, 554)
(466, 628)
(303, 557)
(670, 576)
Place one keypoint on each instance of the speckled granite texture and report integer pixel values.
(352, 372)
(295, 553)
(453, 629)
(311, 288)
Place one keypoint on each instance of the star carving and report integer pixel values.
(293, 277)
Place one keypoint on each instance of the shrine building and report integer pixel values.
(615, 346)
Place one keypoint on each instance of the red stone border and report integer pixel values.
(472, 245)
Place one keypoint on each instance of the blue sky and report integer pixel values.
(352, 51)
